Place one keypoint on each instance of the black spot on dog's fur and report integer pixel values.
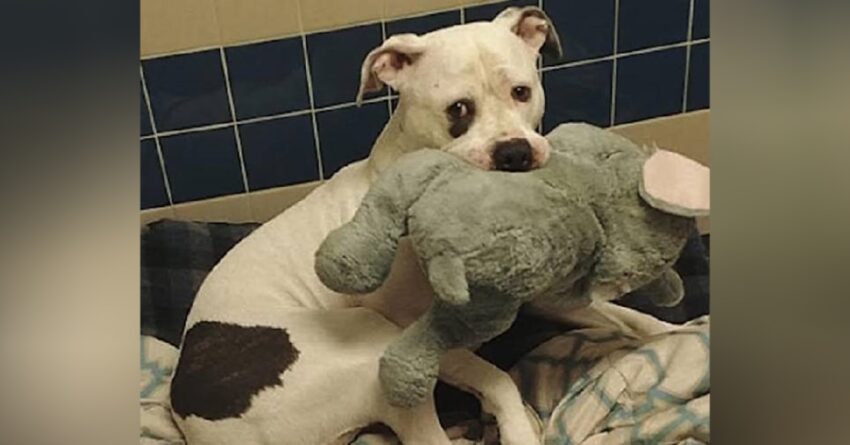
(222, 366)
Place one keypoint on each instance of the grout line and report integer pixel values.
(688, 57)
(540, 76)
(352, 104)
(418, 14)
(389, 90)
(576, 63)
(232, 103)
(254, 120)
(540, 58)
(691, 21)
(308, 73)
(395, 96)
(312, 110)
(383, 31)
(229, 90)
(269, 118)
(300, 32)
(179, 52)
(614, 63)
(312, 107)
(195, 129)
(155, 137)
(622, 55)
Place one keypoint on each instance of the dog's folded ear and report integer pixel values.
(534, 27)
(389, 63)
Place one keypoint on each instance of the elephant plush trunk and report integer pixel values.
(357, 257)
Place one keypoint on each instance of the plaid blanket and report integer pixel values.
(590, 387)
(178, 255)
(597, 386)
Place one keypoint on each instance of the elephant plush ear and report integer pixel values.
(675, 184)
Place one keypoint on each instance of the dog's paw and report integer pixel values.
(516, 429)
(521, 432)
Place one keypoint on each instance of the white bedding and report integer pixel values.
(590, 387)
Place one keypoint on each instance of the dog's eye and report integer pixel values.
(461, 114)
(521, 93)
(458, 109)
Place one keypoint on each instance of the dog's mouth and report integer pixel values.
(486, 163)
(507, 155)
(515, 163)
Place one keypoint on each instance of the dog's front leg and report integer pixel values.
(498, 394)
(417, 425)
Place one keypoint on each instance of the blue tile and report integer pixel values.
(424, 24)
(187, 90)
(145, 122)
(202, 164)
(650, 85)
(279, 152)
(578, 94)
(268, 78)
(335, 61)
(152, 184)
(586, 28)
(347, 134)
(698, 77)
(489, 12)
(648, 23)
(701, 19)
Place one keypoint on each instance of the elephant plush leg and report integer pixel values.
(410, 365)
(667, 290)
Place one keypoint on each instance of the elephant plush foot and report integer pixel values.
(408, 375)
(667, 290)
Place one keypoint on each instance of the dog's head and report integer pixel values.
(472, 90)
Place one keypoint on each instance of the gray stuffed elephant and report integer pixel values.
(602, 218)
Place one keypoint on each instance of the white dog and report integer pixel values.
(270, 355)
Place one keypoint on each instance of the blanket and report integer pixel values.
(158, 359)
(597, 386)
(589, 386)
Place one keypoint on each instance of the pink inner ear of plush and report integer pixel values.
(677, 181)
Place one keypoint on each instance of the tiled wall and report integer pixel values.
(220, 116)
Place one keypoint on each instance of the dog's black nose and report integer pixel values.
(513, 155)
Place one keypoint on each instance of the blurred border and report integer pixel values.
(781, 246)
(69, 300)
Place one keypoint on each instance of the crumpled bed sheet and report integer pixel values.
(588, 387)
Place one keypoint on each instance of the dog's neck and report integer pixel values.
(392, 143)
